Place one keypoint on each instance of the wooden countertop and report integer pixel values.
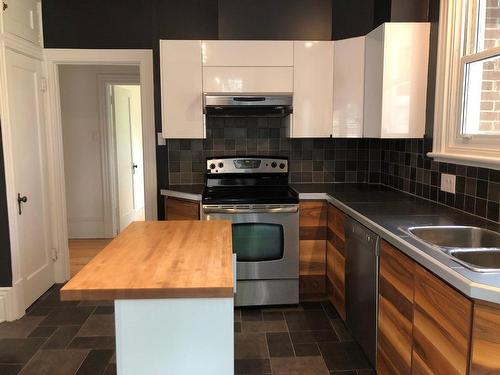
(159, 259)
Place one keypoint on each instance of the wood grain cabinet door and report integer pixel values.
(312, 261)
(181, 209)
(335, 258)
(395, 316)
(485, 340)
(441, 327)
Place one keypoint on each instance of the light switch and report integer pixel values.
(161, 141)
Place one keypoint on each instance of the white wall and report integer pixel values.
(82, 146)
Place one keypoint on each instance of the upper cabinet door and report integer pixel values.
(348, 91)
(181, 89)
(396, 64)
(22, 18)
(247, 53)
(247, 79)
(313, 89)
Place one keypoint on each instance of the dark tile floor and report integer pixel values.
(68, 338)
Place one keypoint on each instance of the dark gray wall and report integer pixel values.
(5, 268)
(277, 19)
(352, 18)
(140, 24)
(97, 23)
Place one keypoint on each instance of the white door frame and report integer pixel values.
(108, 148)
(12, 298)
(54, 57)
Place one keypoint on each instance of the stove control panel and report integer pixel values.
(247, 165)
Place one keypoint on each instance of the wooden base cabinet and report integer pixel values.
(312, 263)
(424, 325)
(181, 209)
(485, 357)
(335, 269)
(441, 327)
(395, 319)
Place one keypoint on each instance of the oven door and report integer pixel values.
(265, 240)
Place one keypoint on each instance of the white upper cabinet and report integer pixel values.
(181, 89)
(22, 18)
(247, 79)
(396, 62)
(247, 53)
(348, 91)
(313, 89)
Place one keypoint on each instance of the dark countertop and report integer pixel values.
(192, 192)
(372, 200)
(389, 213)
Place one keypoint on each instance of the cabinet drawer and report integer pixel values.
(248, 79)
(247, 53)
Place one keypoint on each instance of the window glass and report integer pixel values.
(481, 113)
(488, 24)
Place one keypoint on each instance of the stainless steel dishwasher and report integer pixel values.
(361, 286)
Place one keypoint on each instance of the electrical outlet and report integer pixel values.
(448, 182)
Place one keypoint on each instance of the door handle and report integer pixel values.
(134, 167)
(20, 201)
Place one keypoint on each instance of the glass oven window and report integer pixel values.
(257, 242)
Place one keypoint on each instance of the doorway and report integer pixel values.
(101, 121)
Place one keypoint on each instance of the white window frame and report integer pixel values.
(449, 145)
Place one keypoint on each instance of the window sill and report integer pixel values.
(474, 161)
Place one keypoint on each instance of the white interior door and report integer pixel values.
(137, 151)
(25, 104)
(122, 100)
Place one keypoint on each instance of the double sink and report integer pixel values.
(477, 249)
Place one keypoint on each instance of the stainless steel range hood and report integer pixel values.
(255, 105)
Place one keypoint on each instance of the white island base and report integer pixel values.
(178, 336)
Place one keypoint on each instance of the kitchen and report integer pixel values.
(331, 160)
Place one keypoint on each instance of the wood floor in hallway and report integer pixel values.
(82, 251)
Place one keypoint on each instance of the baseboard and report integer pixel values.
(10, 306)
(86, 228)
(3, 304)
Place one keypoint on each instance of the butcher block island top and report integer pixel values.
(157, 260)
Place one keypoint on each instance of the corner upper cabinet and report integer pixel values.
(396, 62)
(313, 89)
(181, 89)
(348, 90)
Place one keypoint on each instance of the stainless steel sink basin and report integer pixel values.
(479, 260)
(462, 237)
(477, 249)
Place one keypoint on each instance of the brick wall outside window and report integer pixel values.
(490, 97)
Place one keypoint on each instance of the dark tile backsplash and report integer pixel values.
(406, 167)
(311, 160)
(399, 163)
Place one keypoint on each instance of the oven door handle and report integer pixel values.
(274, 210)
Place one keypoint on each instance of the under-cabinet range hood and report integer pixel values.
(255, 105)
